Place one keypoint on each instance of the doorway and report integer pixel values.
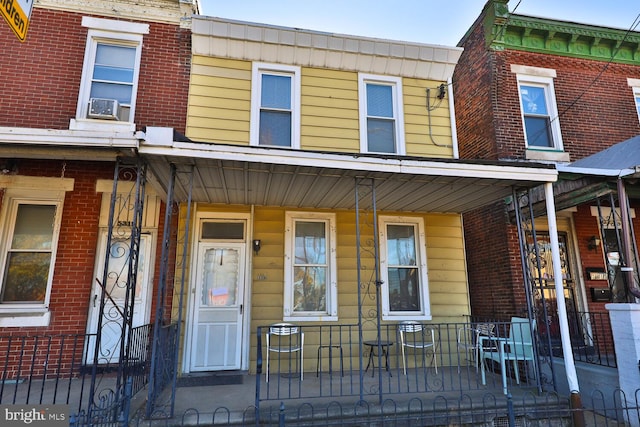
(217, 337)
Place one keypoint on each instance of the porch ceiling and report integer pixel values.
(291, 178)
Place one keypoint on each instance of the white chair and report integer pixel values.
(419, 337)
(518, 346)
(469, 340)
(285, 338)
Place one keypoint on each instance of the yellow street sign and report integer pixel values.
(17, 14)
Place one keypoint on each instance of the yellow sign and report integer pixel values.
(17, 14)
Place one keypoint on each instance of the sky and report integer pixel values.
(442, 22)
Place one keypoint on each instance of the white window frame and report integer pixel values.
(113, 32)
(421, 255)
(258, 69)
(331, 313)
(540, 77)
(27, 314)
(398, 110)
(635, 87)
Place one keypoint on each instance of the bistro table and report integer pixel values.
(372, 346)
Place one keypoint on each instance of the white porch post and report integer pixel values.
(626, 336)
(567, 351)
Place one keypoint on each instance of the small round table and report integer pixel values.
(372, 346)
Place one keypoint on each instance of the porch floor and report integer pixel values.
(235, 403)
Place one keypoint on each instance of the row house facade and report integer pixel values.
(78, 95)
(536, 89)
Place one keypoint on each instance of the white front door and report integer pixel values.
(114, 294)
(216, 340)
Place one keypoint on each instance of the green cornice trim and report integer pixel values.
(531, 34)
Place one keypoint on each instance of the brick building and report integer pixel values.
(542, 90)
(78, 94)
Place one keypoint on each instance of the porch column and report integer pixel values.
(626, 336)
(567, 351)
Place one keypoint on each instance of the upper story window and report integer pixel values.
(381, 114)
(275, 106)
(310, 267)
(403, 269)
(635, 85)
(110, 73)
(538, 107)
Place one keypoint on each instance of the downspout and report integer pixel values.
(627, 269)
(567, 351)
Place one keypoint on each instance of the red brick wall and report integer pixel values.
(41, 76)
(596, 110)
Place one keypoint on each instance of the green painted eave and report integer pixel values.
(540, 35)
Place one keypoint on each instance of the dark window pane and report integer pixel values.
(381, 136)
(404, 289)
(25, 278)
(275, 128)
(538, 131)
(223, 230)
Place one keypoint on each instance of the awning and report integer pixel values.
(244, 175)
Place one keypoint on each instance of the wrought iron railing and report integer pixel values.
(55, 369)
(332, 361)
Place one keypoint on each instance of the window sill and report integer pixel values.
(17, 317)
(101, 125)
(547, 155)
(401, 317)
(303, 318)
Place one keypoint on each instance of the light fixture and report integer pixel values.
(593, 243)
(256, 246)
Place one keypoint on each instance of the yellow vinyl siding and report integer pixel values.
(219, 105)
(219, 109)
(329, 112)
(418, 141)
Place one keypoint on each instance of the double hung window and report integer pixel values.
(538, 108)
(403, 269)
(310, 267)
(110, 73)
(381, 114)
(275, 106)
(30, 228)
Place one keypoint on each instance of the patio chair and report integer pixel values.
(419, 337)
(469, 340)
(518, 346)
(284, 338)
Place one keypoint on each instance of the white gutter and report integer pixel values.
(347, 162)
(68, 138)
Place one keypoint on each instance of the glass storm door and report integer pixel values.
(218, 315)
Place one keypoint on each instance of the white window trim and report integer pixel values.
(28, 314)
(289, 245)
(398, 110)
(421, 248)
(635, 87)
(256, 88)
(115, 32)
(544, 80)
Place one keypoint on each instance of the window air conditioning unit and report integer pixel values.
(100, 108)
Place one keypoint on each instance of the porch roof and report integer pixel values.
(262, 176)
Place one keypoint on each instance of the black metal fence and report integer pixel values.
(55, 369)
(487, 410)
